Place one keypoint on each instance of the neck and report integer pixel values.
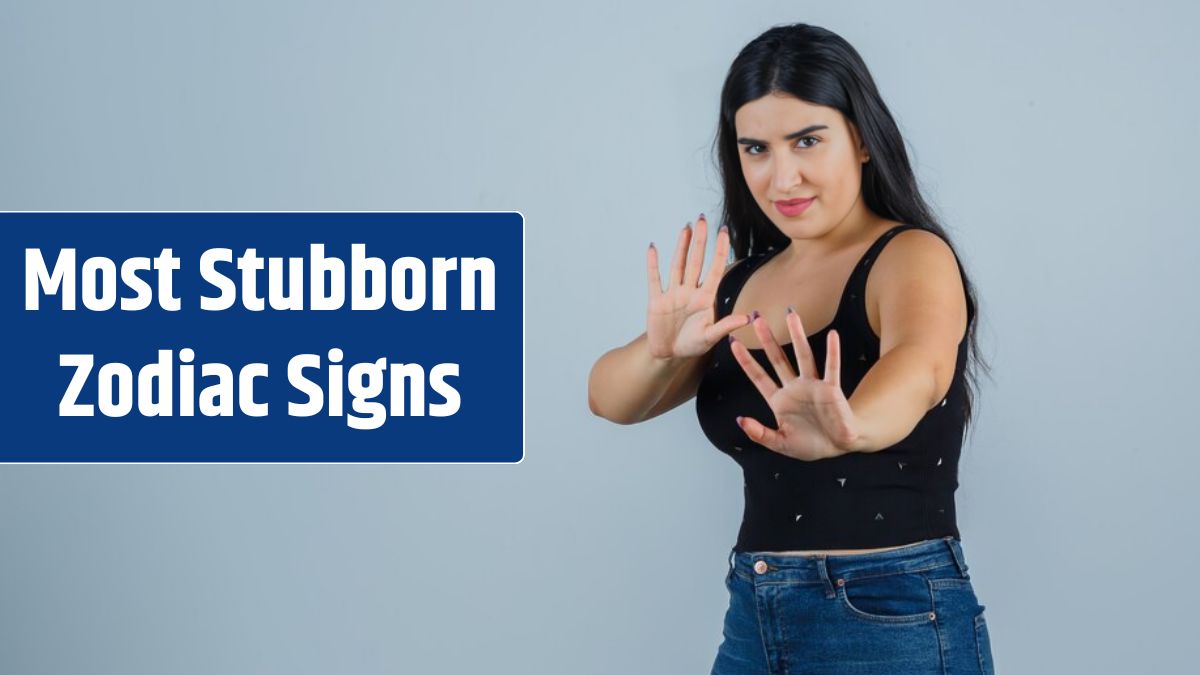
(846, 233)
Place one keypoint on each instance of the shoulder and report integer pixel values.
(911, 253)
(917, 289)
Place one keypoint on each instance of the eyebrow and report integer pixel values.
(791, 136)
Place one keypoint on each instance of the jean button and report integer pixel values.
(760, 567)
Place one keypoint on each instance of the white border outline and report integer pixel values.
(524, 361)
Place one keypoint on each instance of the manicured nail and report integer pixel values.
(754, 315)
(739, 420)
(702, 217)
(791, 310)
(732, 339)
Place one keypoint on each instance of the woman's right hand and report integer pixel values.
(679, 321)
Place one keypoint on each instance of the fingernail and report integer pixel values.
(702, 216)
(739, 420)
(791, 310)
(753, 315)
(732, 339)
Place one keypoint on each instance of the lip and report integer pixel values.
(793, 207)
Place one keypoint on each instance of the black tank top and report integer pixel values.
(899, 495)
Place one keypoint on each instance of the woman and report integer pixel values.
(848, 558)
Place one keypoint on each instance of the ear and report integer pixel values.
(864, 155)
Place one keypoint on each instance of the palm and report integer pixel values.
(680, 320)
(814, 418)
(811, 417)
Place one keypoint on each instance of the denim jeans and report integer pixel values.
(910, 610)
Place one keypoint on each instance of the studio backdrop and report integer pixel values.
(1056, 142)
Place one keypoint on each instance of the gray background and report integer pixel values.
(1058, 142)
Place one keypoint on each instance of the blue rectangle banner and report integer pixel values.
(263, 337)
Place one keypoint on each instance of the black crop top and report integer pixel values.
(899, 495)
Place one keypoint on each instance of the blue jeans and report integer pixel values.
(910, 610)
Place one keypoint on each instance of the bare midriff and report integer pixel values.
(853, 551)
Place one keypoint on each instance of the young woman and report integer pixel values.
(849, 558)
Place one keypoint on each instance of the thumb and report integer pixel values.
(720, 329)
(757, 432)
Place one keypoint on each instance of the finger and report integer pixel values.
(774, 352)
(724, 327)
(653, 278)
(696, 259)
(759, 433)
(681, 248)
(758, 377)
(833, 359)
(804, 356)
(720, 259)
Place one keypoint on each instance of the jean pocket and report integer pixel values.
(962, 627)
(901, 598)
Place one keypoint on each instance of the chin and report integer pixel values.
(795, 229)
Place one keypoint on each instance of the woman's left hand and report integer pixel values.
(815, 420)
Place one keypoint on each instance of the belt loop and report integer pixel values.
(732, 554)
(956, 551)
(823, 568)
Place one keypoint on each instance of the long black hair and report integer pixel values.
(820, 67)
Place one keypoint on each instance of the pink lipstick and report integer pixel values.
(793, 207)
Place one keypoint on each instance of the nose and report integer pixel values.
(786, 174)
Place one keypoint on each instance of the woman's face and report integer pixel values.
(791, 149)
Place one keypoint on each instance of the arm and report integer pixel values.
(628, 385)
(922, 316)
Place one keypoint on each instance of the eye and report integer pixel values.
(750, 147)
